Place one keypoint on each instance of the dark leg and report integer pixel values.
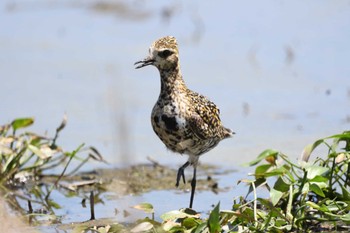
(193, 185)
(92, 206)
(181, 173)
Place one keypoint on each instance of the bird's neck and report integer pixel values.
(172, 81)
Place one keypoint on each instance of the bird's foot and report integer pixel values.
(181, 173)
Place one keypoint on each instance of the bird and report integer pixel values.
(185, 121)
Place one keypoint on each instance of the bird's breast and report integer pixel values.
(170, 125)
(168, 118)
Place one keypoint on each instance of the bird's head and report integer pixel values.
(163, 54)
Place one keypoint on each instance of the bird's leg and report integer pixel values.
(181, 173)
(193, 185)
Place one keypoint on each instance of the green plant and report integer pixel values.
(26, 158)
(309, 195)
(306, 196)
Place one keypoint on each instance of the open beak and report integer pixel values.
(145, 62)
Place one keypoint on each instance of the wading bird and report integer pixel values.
(185, 121)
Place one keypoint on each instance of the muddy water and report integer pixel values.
(279, 71)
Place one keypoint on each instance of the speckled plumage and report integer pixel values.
(185, 121)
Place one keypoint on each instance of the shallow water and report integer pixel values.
(115, 206)
(279, 71)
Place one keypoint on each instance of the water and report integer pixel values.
(120, 208)
(278, 70)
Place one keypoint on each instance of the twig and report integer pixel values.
(154, 162)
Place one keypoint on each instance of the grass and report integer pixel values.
(25, 160)
(305, 196)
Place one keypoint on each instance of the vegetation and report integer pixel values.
(307, 196)
(25, 159)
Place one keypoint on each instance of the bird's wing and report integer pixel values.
(204, 121)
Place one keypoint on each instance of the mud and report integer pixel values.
(143, 178)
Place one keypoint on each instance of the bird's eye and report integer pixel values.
(165, 53)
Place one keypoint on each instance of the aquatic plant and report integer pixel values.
(306, 196)
(27, 158)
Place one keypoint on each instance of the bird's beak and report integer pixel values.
(145, 62)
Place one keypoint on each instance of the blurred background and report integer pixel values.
(278, 70)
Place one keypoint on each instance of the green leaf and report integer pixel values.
(309, 149)
(306, 188)
(281, 185)
(54, 204)
(335, 205)
(9, 162)
(280, 171)
(263, 155)
(275, 196)
(345, 136)
(346, 193)
(346, 218)
(281, 223)
(324, 208)
(316, 189)
(142, 227)
(313, 205)
(320, 185)
(314, 170)
(189, 223)
(176, 214)
(319, 179)
(21, 123)
(38, 152)
(174, 229)
(214, 220)
(261, 170)
(146, 207)
(201, 227)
